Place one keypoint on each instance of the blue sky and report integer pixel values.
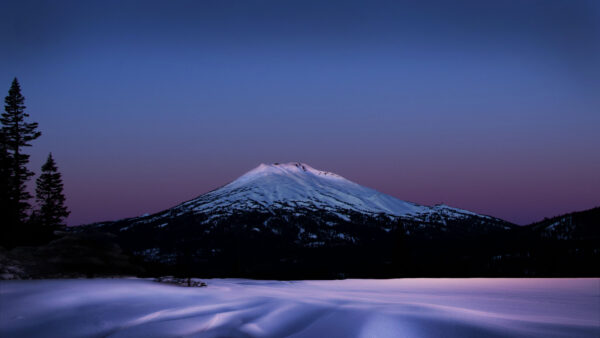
(490, 106)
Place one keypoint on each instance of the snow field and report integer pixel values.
(341, 308)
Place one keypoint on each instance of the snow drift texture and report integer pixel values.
(343, 308)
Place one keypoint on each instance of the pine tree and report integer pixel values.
(5, 217)
(49, 196)
(4, 174)
(18, 134)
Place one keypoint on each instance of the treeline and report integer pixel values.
(21, 222)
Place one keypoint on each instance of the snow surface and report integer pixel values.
(341, 308)
(295, 184)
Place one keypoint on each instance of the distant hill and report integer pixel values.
(581, 225)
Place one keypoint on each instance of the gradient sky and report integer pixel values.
(491, 106)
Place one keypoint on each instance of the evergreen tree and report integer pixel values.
(17, 134)
(4, 173)
(49, 196)
(6, 227)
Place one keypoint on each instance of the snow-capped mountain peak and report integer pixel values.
(312, 206)
(295, 185)
(291, 169)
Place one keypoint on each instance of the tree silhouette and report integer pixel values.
(17, 134)
(6, 228)
(50, 197)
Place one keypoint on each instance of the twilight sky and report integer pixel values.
(491, 106)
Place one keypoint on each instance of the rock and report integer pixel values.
(189, 282)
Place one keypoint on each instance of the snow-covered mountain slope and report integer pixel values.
(274, 213)
(581, 225)
(317, 205)
(292, 186)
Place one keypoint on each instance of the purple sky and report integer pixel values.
(483, 105)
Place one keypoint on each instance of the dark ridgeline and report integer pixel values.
(233, 247)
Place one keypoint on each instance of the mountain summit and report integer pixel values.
(299, 187)
(293, 185)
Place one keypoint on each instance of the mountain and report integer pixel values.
(299, 189)
(281, 213)
(581, 225)
(293, 221)
(289, 186)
